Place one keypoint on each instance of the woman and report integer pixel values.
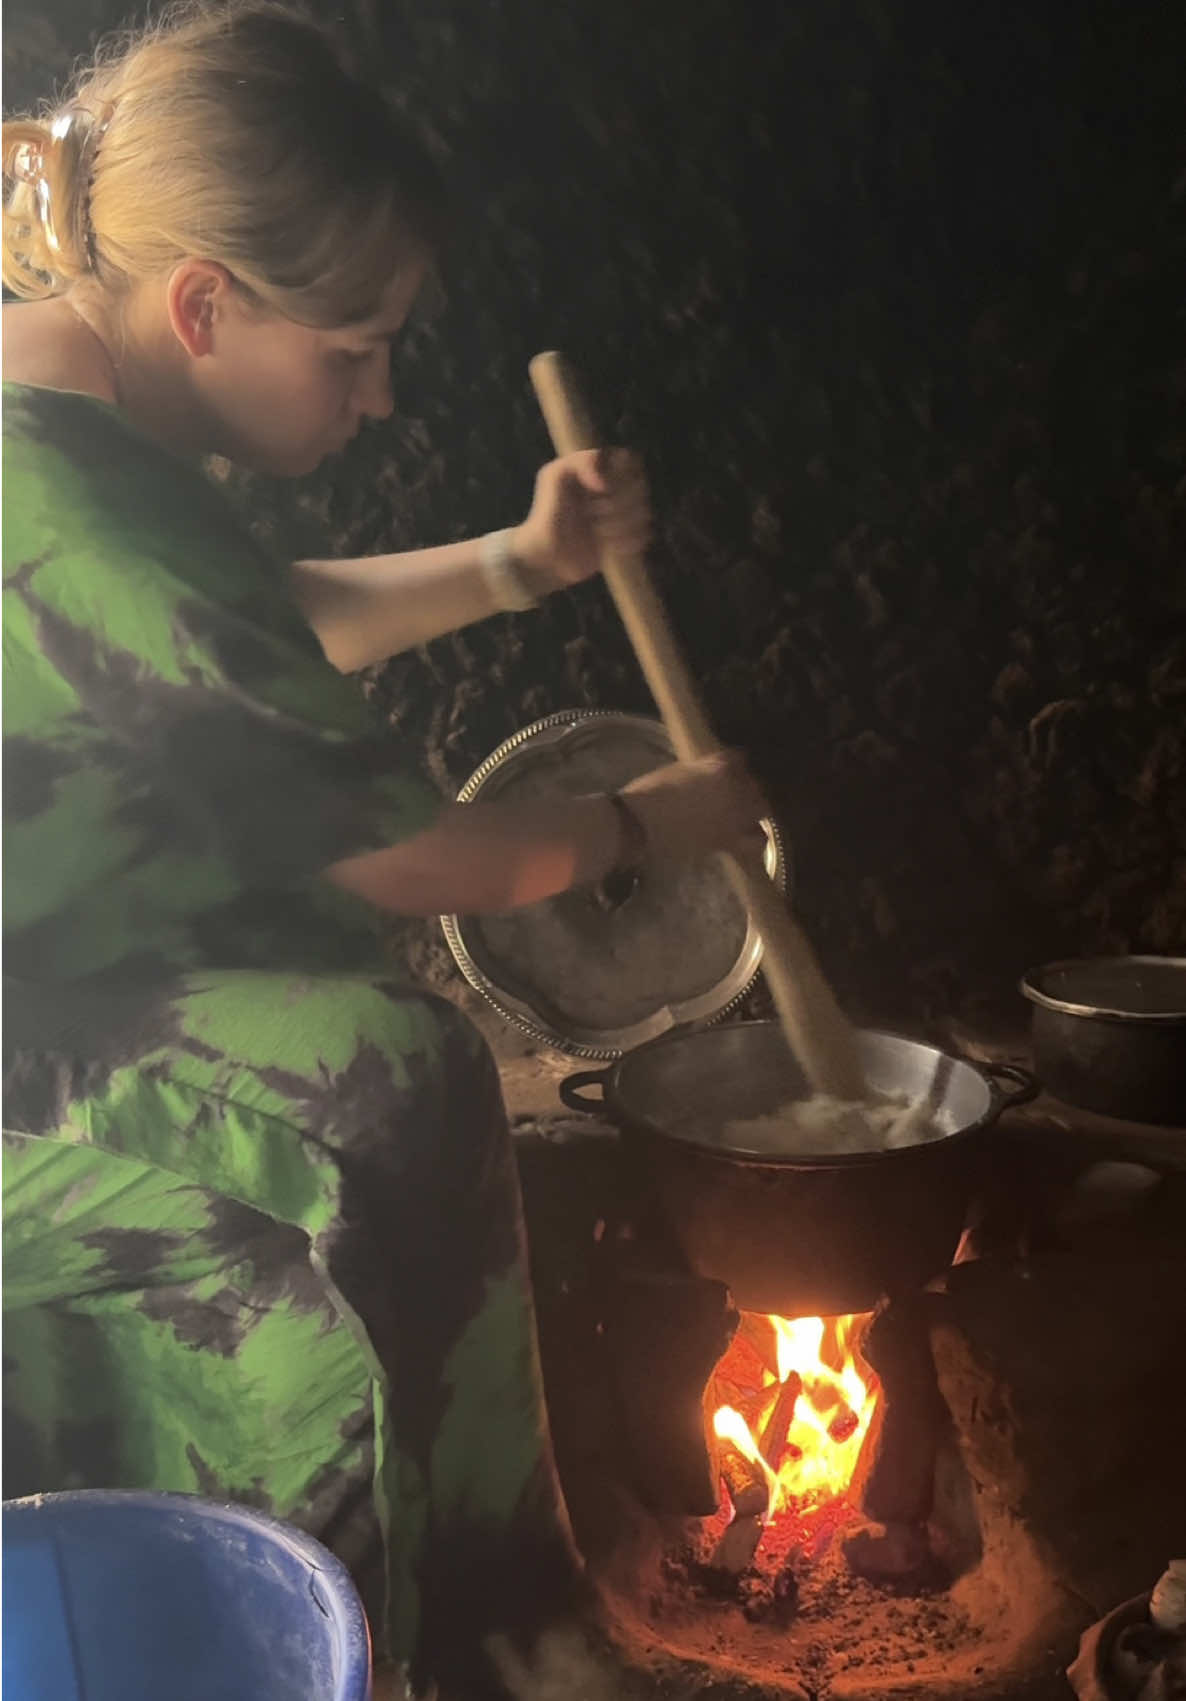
(263, 1234)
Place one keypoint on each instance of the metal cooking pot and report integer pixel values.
(1110, 1034)
(799, 1235)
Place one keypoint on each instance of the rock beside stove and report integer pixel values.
(885, 1552)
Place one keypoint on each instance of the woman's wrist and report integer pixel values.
(506, 575)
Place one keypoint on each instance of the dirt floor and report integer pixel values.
(801, 1625)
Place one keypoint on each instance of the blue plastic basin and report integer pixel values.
(167, 1597)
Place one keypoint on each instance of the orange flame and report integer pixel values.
(831, 1416)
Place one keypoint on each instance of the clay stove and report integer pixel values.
(932, 1500)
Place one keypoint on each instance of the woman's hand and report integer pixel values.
(691, 808)
(583, 503)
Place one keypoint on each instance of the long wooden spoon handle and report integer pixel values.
(815, 1027)
(638, 602)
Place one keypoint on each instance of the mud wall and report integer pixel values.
(889, 296)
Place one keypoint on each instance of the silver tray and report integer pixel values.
(686, 952)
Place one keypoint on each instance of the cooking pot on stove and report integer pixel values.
(635, 977)
(801, 1235)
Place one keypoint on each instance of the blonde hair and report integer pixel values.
(230, 132)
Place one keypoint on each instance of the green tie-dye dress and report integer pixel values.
(262, 1233)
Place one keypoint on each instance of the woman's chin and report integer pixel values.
(290, 463)
(288, 460)
(312, 457)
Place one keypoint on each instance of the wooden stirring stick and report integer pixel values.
(815, 1027)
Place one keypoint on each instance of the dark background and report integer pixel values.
(889, 293)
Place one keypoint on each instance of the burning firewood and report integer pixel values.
(844, 1424)
(774, 1434)
(743, 1481)
(749, 1487)
(736, 1549)
(738, 1545)
(748, 1490)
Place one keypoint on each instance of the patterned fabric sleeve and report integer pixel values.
(175, 737)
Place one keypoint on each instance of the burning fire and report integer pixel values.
(795, 1406)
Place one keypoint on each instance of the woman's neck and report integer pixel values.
(64, 345)
(47, 344)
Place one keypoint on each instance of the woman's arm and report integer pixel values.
(366, 610)
(484, 858)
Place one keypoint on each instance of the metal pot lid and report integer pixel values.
(599, 970)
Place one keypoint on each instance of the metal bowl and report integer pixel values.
(1109, 1034)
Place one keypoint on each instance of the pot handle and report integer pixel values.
(570, 1090)
(1024, 1086)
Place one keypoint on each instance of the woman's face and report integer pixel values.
(279, 396)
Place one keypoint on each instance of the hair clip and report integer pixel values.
(28, 167)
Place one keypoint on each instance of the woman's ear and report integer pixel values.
(197, 295)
